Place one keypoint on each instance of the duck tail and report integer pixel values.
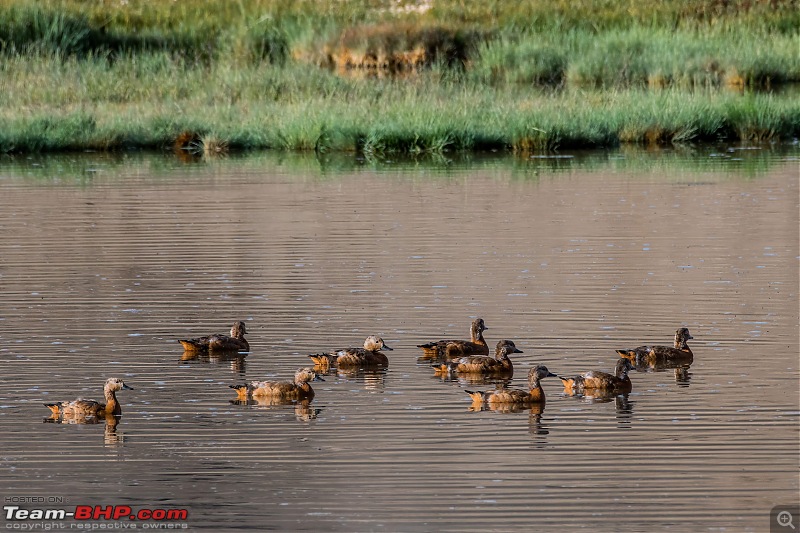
(444, 369)
(477, 396)
(627, 353)
(54, 407)
(190, 346)
(431, 348)
(241, 390)
(568, 382)
(323, 359)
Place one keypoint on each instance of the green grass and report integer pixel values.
(311, 109)
(640, 57)
(516, 76)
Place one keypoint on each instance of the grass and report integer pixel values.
(640, 57)
(317, 110)
(410, 77)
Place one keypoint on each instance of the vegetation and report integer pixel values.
(380, 76)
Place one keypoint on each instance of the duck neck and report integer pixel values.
(477, 337)
(537, 392)
(112, 406)
(680, 344)
(622, 375)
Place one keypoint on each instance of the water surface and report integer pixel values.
(106, 261)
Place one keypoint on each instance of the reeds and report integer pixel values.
(641, 57)
(322, 112)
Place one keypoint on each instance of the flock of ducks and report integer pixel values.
(461, 358)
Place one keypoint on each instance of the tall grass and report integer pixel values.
(297, 108)
(640, 57)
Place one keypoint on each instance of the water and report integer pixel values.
(108, 260)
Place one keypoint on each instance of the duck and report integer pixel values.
(619, 383)
(218, 342)
(535, 394)
(680, 352)
(299, 389)
(91, 408)
(369, 355)
(482, 364)
(458, 348)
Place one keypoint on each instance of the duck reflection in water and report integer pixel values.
(111, 421)
(683, 376)
(373, 378)
(678, 357)
(536, 427)
(83, 411)
(236, 360)
(623, 405)
(680, 370)
(303, 410)
(507, 400)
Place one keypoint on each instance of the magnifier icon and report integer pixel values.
(785, 519)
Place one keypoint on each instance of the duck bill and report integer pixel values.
(127, 387)
(387, 348)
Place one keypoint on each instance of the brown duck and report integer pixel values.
(299, 389)
(219, 343)
(83, 407)
(680, 352)
(535, 394)
(500, 364)
(458, 348)
(369, 355)
(620, 382)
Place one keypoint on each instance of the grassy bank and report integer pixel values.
(382, 77)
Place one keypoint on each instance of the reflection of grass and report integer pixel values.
(529, 76)
(86, 170)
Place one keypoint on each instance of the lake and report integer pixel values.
(108, 260)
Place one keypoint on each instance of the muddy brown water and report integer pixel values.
(106, 262)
